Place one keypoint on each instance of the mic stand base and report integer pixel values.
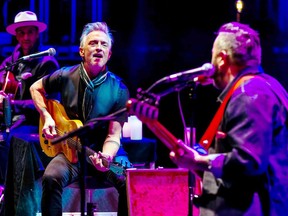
(82, 174)
(191, 182)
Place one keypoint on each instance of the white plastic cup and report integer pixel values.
(126, 131)
(135, 128)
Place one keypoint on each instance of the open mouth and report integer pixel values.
(98, 55)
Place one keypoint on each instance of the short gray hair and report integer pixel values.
(96, 26)
(241, 42)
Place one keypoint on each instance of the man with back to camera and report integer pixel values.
(246, 169)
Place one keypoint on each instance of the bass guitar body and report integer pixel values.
(63, 125)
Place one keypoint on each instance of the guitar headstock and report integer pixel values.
(143, 110)
(148, 97)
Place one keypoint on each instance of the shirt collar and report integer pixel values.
(250, 70)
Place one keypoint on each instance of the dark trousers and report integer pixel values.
(60, 173)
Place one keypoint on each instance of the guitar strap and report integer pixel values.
(211, 131)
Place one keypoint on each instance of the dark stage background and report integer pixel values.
(156, 38)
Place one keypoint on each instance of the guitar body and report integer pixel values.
(63, 125)
(10, 85)
(71, 146)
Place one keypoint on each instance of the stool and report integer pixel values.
(121, 163)
(91, 184)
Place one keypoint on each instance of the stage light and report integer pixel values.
(239, 7)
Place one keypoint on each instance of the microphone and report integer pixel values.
(7, 113)
(49, 52)
(206, 70)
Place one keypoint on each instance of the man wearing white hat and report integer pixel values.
(26, 28)
(17, 74)
(24, 71)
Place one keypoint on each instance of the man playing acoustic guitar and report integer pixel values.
(88, 91)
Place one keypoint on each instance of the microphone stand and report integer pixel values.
(7, 103)
(87, 127)
(81, 132)
(142, 95)
(191, 142)
(82, 174)
(8, 68)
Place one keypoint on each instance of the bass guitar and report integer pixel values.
(71, 146)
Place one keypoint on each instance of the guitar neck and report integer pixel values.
(89, 152)
(167, 138)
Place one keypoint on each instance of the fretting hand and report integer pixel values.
(184, 157)
(187, 157)
(101, 161)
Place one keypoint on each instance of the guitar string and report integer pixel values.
(78, 146)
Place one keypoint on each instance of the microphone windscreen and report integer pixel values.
(52, 51)
(209, 69)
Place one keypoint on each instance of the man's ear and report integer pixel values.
(110, 53)
(81, 52)
(222, 58)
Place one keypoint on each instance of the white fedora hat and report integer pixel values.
(25, 18)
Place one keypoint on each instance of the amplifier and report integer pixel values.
(158, 192)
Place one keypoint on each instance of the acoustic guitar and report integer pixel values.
(71, 146)
(10, 85)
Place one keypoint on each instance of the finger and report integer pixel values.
(92, 160)
(102, 167)
(180, 152)
(100, 154)
(47, 133)
(52, 130)
(3, 93)
(172, 154)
